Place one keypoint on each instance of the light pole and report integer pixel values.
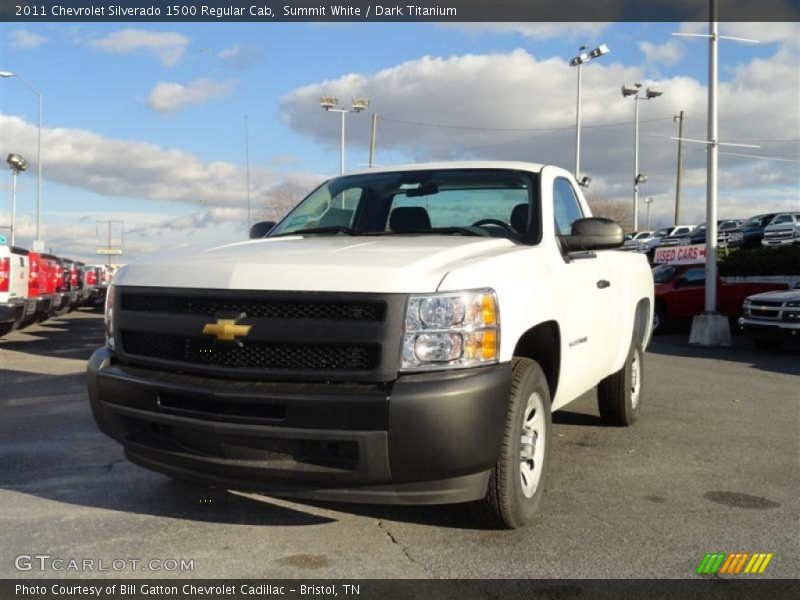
(329, 103)
(583, 56)
(5, 75)
(631, 90)
(648, 201)
(18, 165)
(679, 118)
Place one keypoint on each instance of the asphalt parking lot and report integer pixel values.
(712, 466)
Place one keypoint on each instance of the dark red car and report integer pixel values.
(680, 293)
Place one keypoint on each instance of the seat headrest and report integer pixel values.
(519, 218)
(409, 218)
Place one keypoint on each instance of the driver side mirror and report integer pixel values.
(261, 229)
(593, 233)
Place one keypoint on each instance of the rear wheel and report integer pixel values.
(6, 328)
(517, 481)
(619, 394)
(658, 320)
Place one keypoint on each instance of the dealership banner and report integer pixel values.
(681, 255)
(443, 11)
(707, 588)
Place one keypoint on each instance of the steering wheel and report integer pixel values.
(495, 222)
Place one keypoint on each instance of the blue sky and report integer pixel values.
(92, 87)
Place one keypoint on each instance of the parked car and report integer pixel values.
(680, 293)
(636, 239)
(95, 279)
(773, 318)
(724, 229)
(78, 284)
(13, 287)
(749, 233)
(61, 284)
(695, 236)
(784, 229)
(366, 348)
(39, 301)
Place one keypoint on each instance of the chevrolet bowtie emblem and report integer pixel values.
(226, 330)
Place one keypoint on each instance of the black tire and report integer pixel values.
(615, 396)
(5, 328)
(506, 505)
(768, 345)
(659, 320)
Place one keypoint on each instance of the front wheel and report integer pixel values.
(517, 481)
(619, 394)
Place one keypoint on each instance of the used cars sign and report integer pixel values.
(681, 255)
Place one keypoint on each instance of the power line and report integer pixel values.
(510, 129)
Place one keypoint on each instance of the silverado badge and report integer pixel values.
(226, 330)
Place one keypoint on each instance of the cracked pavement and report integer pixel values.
(713, 465)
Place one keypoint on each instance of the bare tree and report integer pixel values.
(282, 198)
(617, 210)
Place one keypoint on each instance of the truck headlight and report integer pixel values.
(451, 330)
(109, 316)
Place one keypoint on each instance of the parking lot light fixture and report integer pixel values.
(18, 164)
(584, 55)
(329, 103)
(632, 90)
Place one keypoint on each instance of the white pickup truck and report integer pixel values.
(402, 336)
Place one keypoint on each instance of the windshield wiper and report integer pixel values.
(331, 229)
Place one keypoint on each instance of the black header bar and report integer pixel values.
(443, 11)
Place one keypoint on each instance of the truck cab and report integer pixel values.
(402, 336)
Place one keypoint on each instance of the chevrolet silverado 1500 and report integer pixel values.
(402, 336)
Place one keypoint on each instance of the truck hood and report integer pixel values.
(397, 263)
(784, 296)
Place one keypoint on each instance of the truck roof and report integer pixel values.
(460, 164)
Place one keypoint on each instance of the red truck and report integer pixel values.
(680, 293)
(40, 297)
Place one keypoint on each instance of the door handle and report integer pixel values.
(603, 284)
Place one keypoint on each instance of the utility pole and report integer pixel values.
(679, 118)
(372, 137)
(636, 165)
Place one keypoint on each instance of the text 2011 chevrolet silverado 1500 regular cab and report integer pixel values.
(402, 336)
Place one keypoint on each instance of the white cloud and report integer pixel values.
(129, 168)
(22, 39)
(239, 57)
(170, 96)
(169, 47)
(537, 31)
(524, 109)
(667, 54)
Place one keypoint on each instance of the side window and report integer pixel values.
(695, 276)
(566, 207)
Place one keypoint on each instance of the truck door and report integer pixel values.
(687, 298)
(588, 289)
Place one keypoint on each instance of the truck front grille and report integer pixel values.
(252, 355)
(291, 335)
(266, 308)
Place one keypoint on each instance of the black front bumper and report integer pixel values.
(421, 439)
(771, 331)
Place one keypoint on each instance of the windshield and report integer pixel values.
(782, 219)
(663, 232)
(663, 273)
(477, 202)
